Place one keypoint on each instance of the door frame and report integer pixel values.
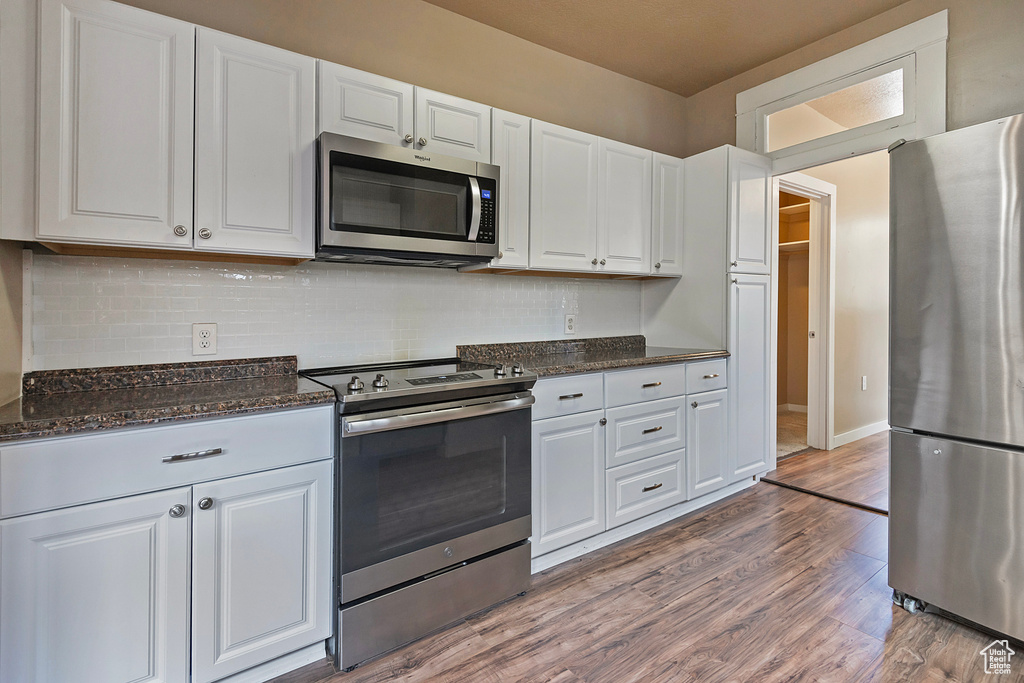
(820, 301)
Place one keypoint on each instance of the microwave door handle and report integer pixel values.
(474, 221)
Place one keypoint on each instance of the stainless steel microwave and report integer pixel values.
(379, 203)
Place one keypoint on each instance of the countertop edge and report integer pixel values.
(600, 366)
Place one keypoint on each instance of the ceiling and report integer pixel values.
(683, 46)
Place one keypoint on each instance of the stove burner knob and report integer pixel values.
(356, 384)
(518, 369)
(381, 382)
(501, 370)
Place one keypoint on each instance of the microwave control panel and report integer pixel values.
(487, 220)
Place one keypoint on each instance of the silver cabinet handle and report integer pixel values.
(423, 142)
(734, 264)
(205, 233)
(566, 397)
(603, 421)
(193, 456)
(501, 255)
(594, 262)
(651, 385)
(603, 262)
(651, 488)
(205, 503)
(693, 405)
(735, 281)
(177, 511)
(658, 264)
(408, 137)
(711, 376)
(652, 430)
(180, 230)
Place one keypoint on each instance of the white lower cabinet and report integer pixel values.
(707, 438)
(568, 480)
(645, 486)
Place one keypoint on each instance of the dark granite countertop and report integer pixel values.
(559, 357)
(59, 402)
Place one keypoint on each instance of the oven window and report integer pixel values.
(378, 197)
(408, 489)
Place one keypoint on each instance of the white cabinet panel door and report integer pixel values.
(115, 125)
(451, 125)
(667, 205)
(623, 208)
(510, 149)
(568, 480)
(262, 571)
(749, 212)
(707, 442)
(364, 105)
(255, 138)
(563, 198)
(96, 593)
(749, 368)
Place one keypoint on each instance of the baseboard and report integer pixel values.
(620, 533)
(859, 433)
(281, 665)
(792, 408)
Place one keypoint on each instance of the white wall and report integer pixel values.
(108, 311)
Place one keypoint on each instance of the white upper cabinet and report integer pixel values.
(667, 205)
(255, 131)
(623, 208)
(364, 105)
(749, 212)
(563, 198)
(453, 126)
(115, 125)
(510, 149)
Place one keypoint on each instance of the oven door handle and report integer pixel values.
(359, 425)
(474, 219)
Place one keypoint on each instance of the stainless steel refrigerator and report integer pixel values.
(956, 396)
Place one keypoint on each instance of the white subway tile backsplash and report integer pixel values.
(106, 311)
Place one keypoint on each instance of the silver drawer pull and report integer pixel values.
(652, 384)
(652, 430)
(711, 376)
(193, 456)
(651, 488)
(566, 397)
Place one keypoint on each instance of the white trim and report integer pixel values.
(857, 434)
(619, 533)
(922, 46)
(792, 408)
(26, 311)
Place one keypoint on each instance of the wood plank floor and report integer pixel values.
(857, 472)
(768, 585)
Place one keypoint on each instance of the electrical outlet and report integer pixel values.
(204, 339)
(570, 324)
(864, 383)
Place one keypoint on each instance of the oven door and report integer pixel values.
(425, 488)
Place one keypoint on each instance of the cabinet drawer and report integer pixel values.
(643, 487)
(641, 431)
(705, 376)
(568, 395)
(644, 384)
(52, 473)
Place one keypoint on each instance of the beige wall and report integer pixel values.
(428, 46)
(10, 320)
(792, 344)
(984, 75)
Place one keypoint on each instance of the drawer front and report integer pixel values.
(568, 395)
(644, 430)
(644, 384)
(707, 375)
(51, 473)
(643, 487)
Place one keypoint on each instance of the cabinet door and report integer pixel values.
(563, 198)
(749, 373)
(510, 149)
(667, 226)
(623, 208)
(96, 593)
(568, 480)
(115, 125)
(255, 135)
(451, 125)
(707, 442)
(750, 223)
(364, 105)
(262, 568)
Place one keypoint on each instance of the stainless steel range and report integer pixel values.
(433, 496)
